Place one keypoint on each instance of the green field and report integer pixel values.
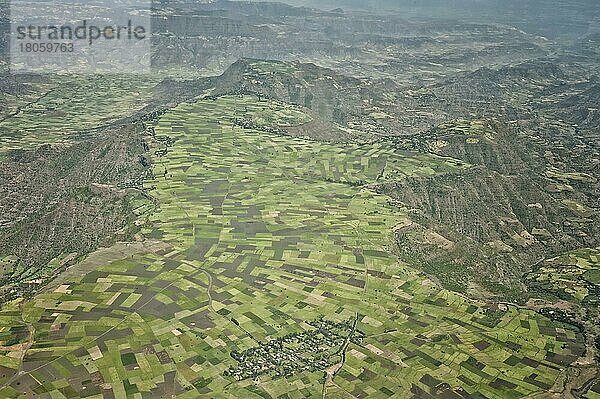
(574, 276)
(260, 237)
(59, 106)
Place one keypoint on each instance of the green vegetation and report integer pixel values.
(311, 350)
(261, 67)
(66, 105)
(473, 127)
(273, 114)
(260, 234)
(573, 276)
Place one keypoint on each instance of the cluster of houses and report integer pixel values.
(311, 350)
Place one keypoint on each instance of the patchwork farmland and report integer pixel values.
(69, 106)
(251, 251)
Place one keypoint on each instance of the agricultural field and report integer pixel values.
(475, 127)
(283, 115)
(574, 276)
(57, 107)
(260, 242)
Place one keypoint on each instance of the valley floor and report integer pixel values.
(269, 271)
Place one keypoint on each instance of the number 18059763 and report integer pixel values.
(46, 47)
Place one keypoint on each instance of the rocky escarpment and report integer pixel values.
(384, 107)
(15, 89)
(513, 207)
(307, 85)
(580, 109)
(58, 203)
(507, 223)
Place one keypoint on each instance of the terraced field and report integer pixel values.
(573, 276)
(59, 106)
(260, 242)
